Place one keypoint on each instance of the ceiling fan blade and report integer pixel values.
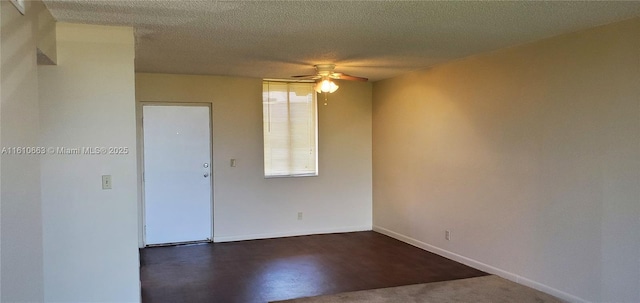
(304, 76)
(343, 76)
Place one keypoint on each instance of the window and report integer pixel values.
(290, 129)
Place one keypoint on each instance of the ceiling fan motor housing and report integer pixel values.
(325, 70)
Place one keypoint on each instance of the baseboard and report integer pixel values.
(291, 234)
(481, 266)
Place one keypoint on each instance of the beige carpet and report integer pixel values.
(487, 289)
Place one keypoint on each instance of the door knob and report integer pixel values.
(206, 175)
(206, 165)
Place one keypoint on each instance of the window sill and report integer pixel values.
(290, 176)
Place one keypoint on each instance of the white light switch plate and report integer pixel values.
(106, 181)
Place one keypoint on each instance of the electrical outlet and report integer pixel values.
(299, 215)
(447, 235)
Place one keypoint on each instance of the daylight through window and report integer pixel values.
(290, 129)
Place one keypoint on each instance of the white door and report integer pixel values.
(177, 173)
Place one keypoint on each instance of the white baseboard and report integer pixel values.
(481, 266)
(291, 234)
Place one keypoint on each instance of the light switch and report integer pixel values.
(106, 181)
(233, 163)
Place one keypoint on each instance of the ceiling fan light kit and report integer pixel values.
(326, 86)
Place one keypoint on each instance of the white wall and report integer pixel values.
(88, 100)
(248, 206)
(21, 226)
(530, 156)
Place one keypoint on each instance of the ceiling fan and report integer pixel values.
(324, 75)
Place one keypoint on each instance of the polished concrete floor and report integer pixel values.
(286, 268)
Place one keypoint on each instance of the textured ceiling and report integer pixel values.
(374, 39)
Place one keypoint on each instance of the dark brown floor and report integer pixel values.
(286, 268)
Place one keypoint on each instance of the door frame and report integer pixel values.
(142, 241)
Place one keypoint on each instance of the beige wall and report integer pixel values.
(248, 206)
(21, 226)
(90, 234)
(46, 35)
(530, 156)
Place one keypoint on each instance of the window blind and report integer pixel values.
(290, 129)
